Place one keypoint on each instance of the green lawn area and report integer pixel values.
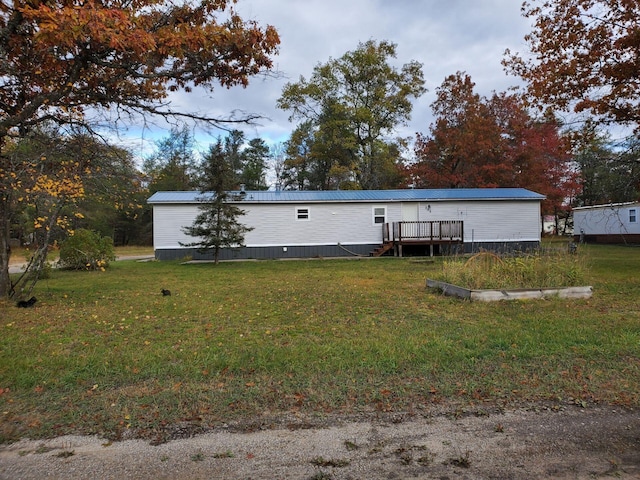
(104, 352)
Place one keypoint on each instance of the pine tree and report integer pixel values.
(217, 225)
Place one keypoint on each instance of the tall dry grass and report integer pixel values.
(542, 269)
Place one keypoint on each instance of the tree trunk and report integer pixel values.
(5, 249)
(24, 286)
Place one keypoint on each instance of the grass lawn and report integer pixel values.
(105, 352)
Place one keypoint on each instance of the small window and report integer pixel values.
(379, 214)
(633, 216)
(302, 213)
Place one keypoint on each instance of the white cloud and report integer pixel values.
(445, 36)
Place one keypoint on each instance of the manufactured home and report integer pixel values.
(305, 224)
(612, 223)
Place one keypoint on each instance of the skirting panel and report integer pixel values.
(618, 239)
(266, 253)
(502, 247)
(325, 251)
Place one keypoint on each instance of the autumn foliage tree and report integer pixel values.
(46, 178)
(64, 181)
(479, 142)
(66, 61)
(349, 109)
(583, 56)
(461, 151)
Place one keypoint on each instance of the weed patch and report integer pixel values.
(461, 460)
(197, 457)
(65, 454)
(323, 462)
(486, 270)
(351, 446)
(320, 475)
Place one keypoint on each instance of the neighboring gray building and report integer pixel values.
(305, 224)
(612, 223)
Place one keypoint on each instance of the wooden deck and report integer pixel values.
(398, 234)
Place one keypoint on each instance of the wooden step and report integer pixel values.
(381, 250)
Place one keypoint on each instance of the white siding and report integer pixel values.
(168, 221)
(606, 220)
(352, 223)
(501, 221)
(487, 221)
(328, 224)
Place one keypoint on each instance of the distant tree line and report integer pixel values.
(347, 112)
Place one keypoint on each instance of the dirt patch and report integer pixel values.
(598, 442)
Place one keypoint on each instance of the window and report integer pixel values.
(302, 213)
(379, 214)
(633, 216)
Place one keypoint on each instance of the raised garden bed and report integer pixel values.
(513, 294)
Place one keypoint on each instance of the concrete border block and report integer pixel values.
(515, 294)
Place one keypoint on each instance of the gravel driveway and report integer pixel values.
(574, 443)
(17, 266)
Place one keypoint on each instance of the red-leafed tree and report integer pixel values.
(583, 56)
(461, 150)
(542, 162)
(63, 61)
(477, 142)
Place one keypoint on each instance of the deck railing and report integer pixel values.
(431, 231)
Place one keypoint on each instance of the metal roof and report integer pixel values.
(608, 205)
(364, 196)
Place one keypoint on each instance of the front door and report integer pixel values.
(410, 212)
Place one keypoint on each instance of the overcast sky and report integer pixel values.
(445, 36)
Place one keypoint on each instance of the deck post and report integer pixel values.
(440, 232)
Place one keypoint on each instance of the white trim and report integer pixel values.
(608, 205)
(374, 216)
